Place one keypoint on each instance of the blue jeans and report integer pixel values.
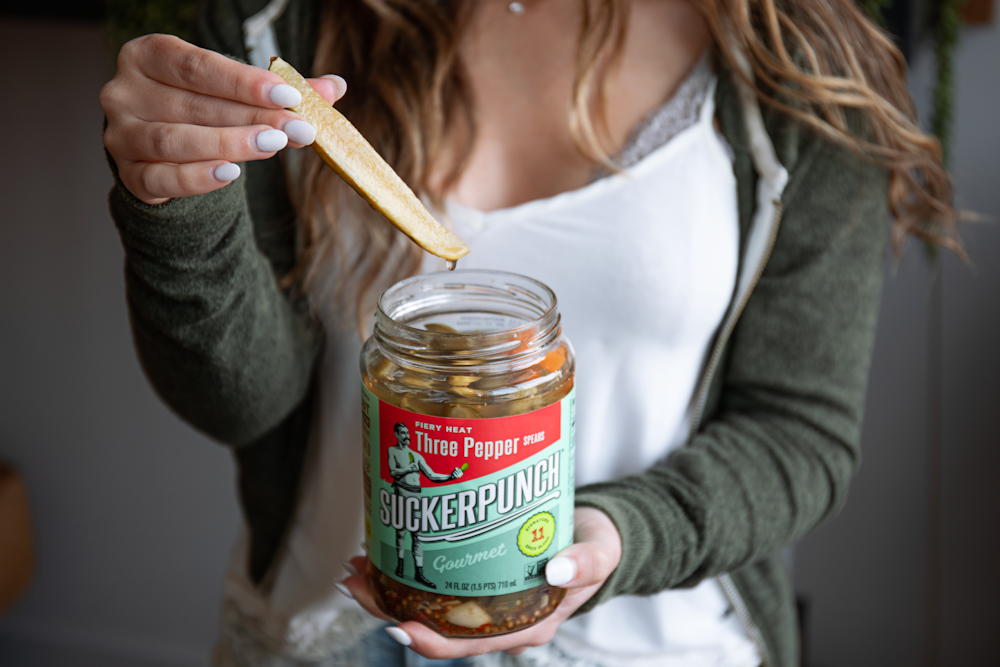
(381, 650)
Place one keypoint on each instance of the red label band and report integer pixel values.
(483, 446)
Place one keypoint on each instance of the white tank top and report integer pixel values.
(644, 266)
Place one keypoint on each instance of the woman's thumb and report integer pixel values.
(330, 87)
(593, 558)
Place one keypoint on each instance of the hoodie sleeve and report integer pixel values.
(221, 343)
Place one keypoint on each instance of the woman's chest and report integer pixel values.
(644, 266)
(524, 72)
(648, 255)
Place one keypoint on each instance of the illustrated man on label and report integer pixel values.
(405, 466)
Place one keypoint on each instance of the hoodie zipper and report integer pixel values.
(725, 581)
(716, 358)
(740, 607)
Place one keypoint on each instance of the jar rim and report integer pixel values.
(534, 302)
(546, 290)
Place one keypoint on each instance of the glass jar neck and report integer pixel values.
(493, 321)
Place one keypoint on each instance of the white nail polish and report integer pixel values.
(351, 570)
(560, 570)
(300, 132)
(269, 141)
(399, 635)
(285, 96)
(226, 172)
(343, 590)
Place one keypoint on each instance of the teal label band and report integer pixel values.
(467, 506)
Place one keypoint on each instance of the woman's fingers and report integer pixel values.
(581, 568)
(176, 63)
(578, 566)
(159, 161)
(176, 111)
(360, 563)
(179, 117)
(177, 143)
(431, 645)
(154, 102)
(155, 183)
(357, 589)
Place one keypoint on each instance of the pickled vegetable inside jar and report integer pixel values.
(468, 420)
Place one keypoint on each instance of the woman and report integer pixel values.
(729, 163)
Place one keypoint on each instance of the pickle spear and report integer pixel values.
(343, 148)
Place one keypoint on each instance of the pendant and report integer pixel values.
(516, 8)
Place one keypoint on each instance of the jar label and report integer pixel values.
(467, 506)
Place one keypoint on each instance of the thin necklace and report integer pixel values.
(516, 8)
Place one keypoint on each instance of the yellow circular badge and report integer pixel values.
(536, 534)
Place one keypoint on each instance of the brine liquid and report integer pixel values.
(506, 612)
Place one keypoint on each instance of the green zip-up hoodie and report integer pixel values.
(777, 444)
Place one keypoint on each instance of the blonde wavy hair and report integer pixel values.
(815, 60)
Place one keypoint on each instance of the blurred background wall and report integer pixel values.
(135, 513)
(880, 589)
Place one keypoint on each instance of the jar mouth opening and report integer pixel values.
(473, 315)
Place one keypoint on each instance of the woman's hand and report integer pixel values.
(179, 117)
(581, 568)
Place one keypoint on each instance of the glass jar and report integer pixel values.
(468, 417)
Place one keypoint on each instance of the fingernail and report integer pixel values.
(351, 570)
(285, 96)
(269, 141)
(399, 635)
(339, 80)
(227, 172)
(560, 570)
(343, 589)
(300, 132)
(364, 547)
